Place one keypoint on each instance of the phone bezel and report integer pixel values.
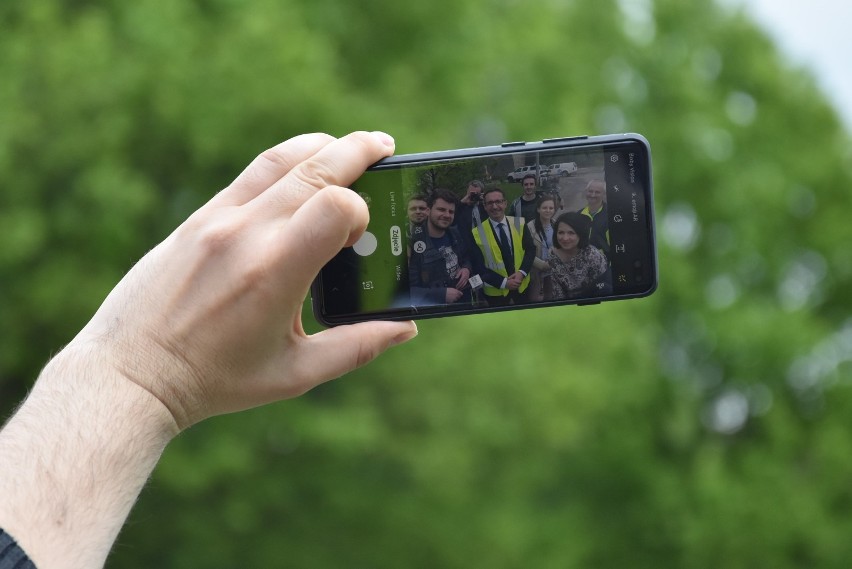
(545, 145)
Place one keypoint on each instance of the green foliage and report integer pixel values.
(703, 427)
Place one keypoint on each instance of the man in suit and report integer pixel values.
(504, 252)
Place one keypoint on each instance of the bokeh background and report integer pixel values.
(706, 426)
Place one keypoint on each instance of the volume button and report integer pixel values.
(505, 144)
(564, 139)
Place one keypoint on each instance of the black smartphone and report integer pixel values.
(520, 225)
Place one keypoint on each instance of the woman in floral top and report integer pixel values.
(576, 266)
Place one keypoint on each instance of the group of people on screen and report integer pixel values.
(531, 250)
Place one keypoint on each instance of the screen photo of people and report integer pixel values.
(508, 230)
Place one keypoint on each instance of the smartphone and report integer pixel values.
(519, 225)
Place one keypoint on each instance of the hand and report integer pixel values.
(464, 276)
(453, 295)
(515, 280)
(209, 321)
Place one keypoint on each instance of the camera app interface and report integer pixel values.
(498, 230)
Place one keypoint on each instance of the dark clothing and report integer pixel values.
(435, 264)
(494, 278)
(464, 220)
(409, 227)
(11, 554)
(523, 208)
(514, 297)
(599, 231)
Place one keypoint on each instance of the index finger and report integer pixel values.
(339, 163)
(270, 166)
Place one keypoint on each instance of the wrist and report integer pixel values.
(85, 373)
(92, 439)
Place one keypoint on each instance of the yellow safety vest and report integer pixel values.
(494, 257)
(585, 211)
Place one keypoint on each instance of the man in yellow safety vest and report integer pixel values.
(504, 252)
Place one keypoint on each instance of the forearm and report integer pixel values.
(208, 322)
(493, 278)
(75, 457)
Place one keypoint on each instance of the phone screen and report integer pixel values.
(503, 227)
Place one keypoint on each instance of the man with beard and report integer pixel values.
(439, 266)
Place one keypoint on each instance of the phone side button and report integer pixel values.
(505, 144)
(564, 138)
(588, 303)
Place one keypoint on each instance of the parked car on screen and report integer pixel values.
(562, 169)
(519, 173)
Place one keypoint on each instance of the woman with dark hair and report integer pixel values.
(577, 269)
(541, 229)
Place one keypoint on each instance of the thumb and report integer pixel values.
(336, 351)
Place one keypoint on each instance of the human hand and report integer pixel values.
(464, 276)
(514, 281)
(453, 295)
(209, 321)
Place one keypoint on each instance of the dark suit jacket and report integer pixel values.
(492, 277)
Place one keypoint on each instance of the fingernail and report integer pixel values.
(384, 138)
(405, 336)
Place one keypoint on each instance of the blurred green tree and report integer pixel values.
(703, 427)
